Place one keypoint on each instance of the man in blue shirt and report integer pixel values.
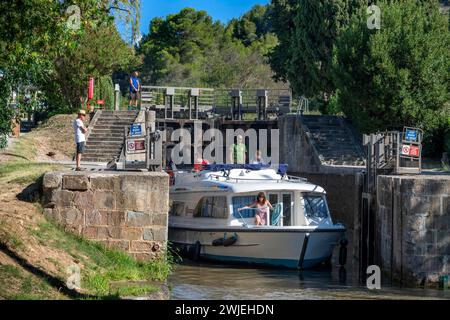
(135, 87)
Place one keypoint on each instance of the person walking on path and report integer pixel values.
(80, 137)
(135, 87)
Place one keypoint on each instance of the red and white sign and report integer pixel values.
(139, 145)
(414, 151)
(135, 145)
(410, 150)
(405, 150)
(130, 146)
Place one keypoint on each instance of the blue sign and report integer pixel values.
(411, 135)
(136, 130)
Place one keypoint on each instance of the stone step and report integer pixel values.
(109, 127)
(123, 112)
(116, 121)
(113, 130)
(105, 141)
(104, 147)
(107, 131)
(96, 141)
(96, 159)
(107, 137)
(116, 118)
(97, 138)
(102, 150)
(93, 153)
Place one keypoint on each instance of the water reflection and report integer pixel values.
(216, 281)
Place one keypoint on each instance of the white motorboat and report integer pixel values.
(204, 219)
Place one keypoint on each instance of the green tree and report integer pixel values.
(174, 44)
(398, 75)
(317, 26)
(252, 26)
(304, 55)
(281, 18)
(35, 32)
(189, 49)
(100, 52)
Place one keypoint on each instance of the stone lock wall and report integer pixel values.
(344, 201)
(413, 228)
(124, 210)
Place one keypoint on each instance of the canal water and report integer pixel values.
(215, 281)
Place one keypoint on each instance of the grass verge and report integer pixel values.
(102, 266)
(24, 172)
(17, 284)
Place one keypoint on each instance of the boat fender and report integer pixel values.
(218, 242)
(230, 241)
(343, 252)
(195, 251)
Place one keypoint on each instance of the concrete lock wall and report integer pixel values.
(413, 228)
(123, 210)
(294, 147)
(297, 151)
(344, 202)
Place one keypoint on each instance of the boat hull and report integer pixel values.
(278, 247)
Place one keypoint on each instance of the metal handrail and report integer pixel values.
(292, 179)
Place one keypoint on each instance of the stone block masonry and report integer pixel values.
(413, 228)
(123, 210)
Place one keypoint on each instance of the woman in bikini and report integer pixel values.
(262, 205)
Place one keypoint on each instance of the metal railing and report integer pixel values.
(286, 178)
(214, 102)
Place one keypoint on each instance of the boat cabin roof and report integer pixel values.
(241, 181)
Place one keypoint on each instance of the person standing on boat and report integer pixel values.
(258, 158)
(262, 206)
(238, 151)
(199, 163)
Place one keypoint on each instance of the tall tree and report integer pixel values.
(307, 31)
(35, 32)
(252, 26)
(174, 44)
(398, 75)
(281, 17)
(100, 52)
(317, 26)
(190, 49)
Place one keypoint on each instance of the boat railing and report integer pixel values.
(277, 212)
(285, 178)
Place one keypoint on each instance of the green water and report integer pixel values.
(215, 281)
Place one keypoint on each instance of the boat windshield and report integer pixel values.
(242, 201)
(315, 207)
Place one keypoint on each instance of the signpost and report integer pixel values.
(136, 130)
(409, 156)
(136, 145)
(411, 134)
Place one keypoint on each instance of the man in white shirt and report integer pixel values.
(80, 138)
